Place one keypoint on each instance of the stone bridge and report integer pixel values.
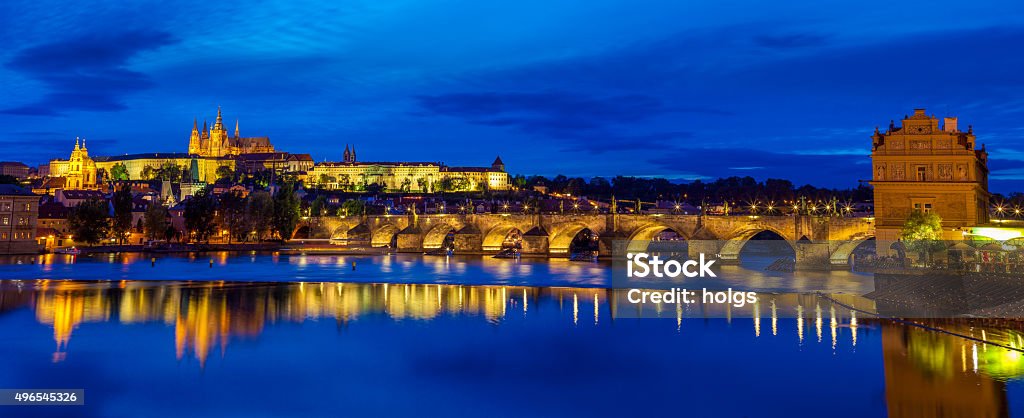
(821, 241)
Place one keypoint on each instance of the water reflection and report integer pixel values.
(206, 315)
(926, 373)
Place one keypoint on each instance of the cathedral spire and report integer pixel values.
(195, 125)
(346, 156)
(76, 143)
(236, 128)
(219, 124)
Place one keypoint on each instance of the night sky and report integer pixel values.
(678, 89)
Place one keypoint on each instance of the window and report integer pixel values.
(6, 220)
(28, 207)
(3, 235)
(923, 207)
(921, 173)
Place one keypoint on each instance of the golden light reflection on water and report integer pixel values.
(206, 317)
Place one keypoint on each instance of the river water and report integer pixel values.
(307, 335)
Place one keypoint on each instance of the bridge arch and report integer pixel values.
(495, 237)
(435, 237)
(384, 235)
(639, 240)
(841, 256)
(730, 252)
(566, 233)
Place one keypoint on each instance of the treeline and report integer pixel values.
(695, 192)
(257, 216)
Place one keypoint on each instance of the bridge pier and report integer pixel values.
(469, 240)
(410, 240)
(535, 241)
(812, 255)
(710, 249)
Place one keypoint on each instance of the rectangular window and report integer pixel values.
(6, 220)
(921, 171)
(3, 235)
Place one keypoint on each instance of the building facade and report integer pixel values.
(419, 177)
(926, 166)
(19, 211)
(136, 164)
(14, 169)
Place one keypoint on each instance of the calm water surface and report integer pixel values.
(410, 335)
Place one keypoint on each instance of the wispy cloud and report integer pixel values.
(86, 72)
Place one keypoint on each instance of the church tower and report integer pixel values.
(218, 137)
(347, 155)
(193, 139)
(81, 172)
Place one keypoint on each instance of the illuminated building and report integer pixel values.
(922, 166)
(78, 171)
(423, 177)
(215, 142)
(208, 150)
(212, 148)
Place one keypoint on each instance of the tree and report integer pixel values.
(154, 221)
(119, 172)
(453, 184)
(170, 171)
(200, 221)
(88, 221)
(122, 223)
(325, 180)
(922, 232)
(352, 207)
(318, 207)
(225, 172)
(286, 211)
(148, 173)
(234, 213)
(260, 213)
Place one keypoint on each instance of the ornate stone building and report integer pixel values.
(216, 142)
(78, 171)
(422, 177)
(924, 166)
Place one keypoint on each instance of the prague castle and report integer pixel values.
(926, 166)
(211, 148)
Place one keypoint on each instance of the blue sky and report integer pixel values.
(682, 90)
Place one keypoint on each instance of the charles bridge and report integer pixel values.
(817, 241)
